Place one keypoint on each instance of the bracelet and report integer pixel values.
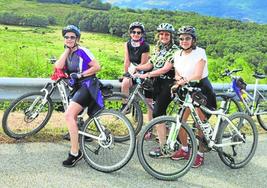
(148, 74)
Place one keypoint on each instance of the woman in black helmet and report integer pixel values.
(191, 64)
(81, 66)
(161, 63)
(136, 52)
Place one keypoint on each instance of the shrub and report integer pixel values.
(34, 20)
(10, 18)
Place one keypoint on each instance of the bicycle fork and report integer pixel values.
(172, 138)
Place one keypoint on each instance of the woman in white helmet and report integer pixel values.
(161, 63)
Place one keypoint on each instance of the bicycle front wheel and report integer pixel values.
(163, 167)
(27, 115)
(108, 155)
(135, 114)
(261, 112)
(238, 145)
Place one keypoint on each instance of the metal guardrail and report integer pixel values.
(12, 88)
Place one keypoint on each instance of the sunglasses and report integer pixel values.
(136, 32)
(164, 34)
(185, 39)
(70, 37)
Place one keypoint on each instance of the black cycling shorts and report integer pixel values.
(161, 96)
(83, 97)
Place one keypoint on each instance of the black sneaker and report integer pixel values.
(72, 160)
(66, 137)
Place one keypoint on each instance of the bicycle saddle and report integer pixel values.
(259, 75)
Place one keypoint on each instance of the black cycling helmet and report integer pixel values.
(187, 30)
(166, 27)
(138, 25)
(71, 28)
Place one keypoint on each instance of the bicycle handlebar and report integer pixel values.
(227, 72)
(138, 80)
(188, 86)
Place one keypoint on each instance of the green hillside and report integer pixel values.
(22, 7)
(228, 43)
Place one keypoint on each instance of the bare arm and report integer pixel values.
(60, 63)
(198, 71)
(94, 68)
(146, 66)
(168, 66)
(196, 76)
(144, 58)
(126, 58)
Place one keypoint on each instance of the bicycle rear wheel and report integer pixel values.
(231, 105)
(239, 146)
(261, 107)
(135, 114)
(27, 115)
(164, 168)
(108, 155)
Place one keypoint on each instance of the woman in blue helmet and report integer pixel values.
(81, 66)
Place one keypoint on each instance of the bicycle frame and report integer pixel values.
(251, 108)
(138, 93)
(209, 134)
(101, 137)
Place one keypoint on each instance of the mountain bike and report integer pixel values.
(255, 104)
(133, 108)
(235, 137)
(33, 110)
(112, 140)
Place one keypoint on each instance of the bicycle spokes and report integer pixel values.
(238, 140)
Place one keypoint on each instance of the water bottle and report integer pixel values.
(207, 130)
(245, 96)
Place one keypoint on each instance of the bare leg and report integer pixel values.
(149, 111)
(71, 118)
(200, 133)
(182, 133)
(161, 131)
(125, 85)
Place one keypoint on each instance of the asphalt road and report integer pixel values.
(39, 165)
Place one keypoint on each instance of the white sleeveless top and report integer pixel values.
(185, 64)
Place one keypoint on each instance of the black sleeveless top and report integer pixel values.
(135, 53)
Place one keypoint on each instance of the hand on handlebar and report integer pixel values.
(75, 76)
(142, 76)
(174, 89)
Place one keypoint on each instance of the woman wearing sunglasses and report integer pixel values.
(81, 66)
(161, 63)
(191, 64)
(136, 52)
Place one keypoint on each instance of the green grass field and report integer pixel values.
(24, 51)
